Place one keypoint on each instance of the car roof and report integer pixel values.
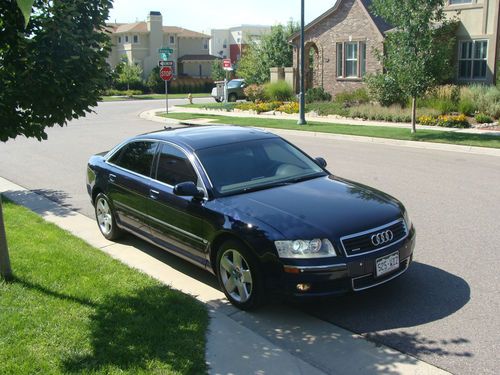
(200, 137)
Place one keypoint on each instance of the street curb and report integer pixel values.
(151, 116)
(273, 340)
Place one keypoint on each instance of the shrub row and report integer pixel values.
(459, 121)
(277, 91)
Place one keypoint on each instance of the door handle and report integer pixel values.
(154, 194)
(112, 177)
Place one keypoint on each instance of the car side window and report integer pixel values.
(174, 167)
(136, 157)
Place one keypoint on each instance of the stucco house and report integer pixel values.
(230, 43)
(140, 42)
(340, 44)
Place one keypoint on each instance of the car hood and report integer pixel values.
(323, 207)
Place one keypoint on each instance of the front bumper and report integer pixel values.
(354, 274)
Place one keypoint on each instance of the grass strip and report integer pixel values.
(73, 309)
(422, 135)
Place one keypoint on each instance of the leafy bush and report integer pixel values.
(155, 84)
(466, 106)
(113, 92)
(317, 94)
(279, 91)
(292, 107)
(352, 98)
(384, 90)
(486, 99)
(427, 120)
(327, 108)
(254, 93)
(481, 118)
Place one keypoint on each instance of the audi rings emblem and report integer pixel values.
(382, 238)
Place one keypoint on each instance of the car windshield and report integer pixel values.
(234, 84)
(255, 165)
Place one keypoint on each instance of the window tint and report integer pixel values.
(174, 167)
(136, 157)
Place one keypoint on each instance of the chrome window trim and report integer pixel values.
(159, 141)
(374, 230)
(406, 260)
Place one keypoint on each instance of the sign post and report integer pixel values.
(166, 74)
(228, 67)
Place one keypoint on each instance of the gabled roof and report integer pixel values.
(142, 27)
(378, 22)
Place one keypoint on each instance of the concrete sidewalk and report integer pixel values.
(277, 339)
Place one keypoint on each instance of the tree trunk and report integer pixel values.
(5, 270)
(414, 115)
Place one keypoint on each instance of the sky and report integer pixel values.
(203, 15)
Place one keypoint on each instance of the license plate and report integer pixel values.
(387, 264)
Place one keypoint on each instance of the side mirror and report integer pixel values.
(188, 189)
(321, 162)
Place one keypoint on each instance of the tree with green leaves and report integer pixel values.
(218, 72)
(273, 50)
(130, 74)
(414, 57)
(53, 68)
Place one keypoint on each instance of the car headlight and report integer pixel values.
(316, 248)
(407, 220)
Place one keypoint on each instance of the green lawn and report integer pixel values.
(151, 97)
(436, 136)
(73, 309)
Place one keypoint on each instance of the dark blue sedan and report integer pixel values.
(253, 209)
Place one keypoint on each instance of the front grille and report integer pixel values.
(369, 281)
(361, 243)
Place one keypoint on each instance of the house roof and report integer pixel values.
(379, 23)
(198, 58)
(142, 27)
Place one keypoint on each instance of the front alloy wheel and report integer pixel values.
(238, 276)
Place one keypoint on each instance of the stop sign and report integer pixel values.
(166, 73)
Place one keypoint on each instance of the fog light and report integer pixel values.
(303, 287)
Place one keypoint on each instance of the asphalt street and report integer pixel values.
(445, 310)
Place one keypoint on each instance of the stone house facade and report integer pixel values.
(340, 46)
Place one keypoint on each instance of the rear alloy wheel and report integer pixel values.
(232, 98)
(105, 218)
(239, 276)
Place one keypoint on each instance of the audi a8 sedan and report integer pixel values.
(253, 209)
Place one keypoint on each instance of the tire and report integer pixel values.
(239, 275)
(105, 218)
(232, 98)
(218, 100)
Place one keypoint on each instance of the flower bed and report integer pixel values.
(447, 121)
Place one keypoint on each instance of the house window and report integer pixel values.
(238, 40)
(205, 44)
(172, 39)
(136, 39)
(340, 60)
(455, 2)
(119, 39)
(351, 60)
(472, 59)
(225, 44)
(126, 38)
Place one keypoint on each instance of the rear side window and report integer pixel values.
(136, 157)
(174, 167)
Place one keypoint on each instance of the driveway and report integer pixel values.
(445, 310)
